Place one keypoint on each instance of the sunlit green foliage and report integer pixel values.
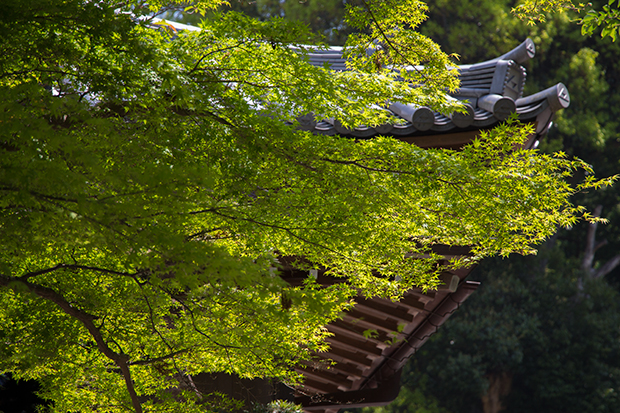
(151, 179)
(278, 406)
(607, 18)
(538, 10)
(392, 46)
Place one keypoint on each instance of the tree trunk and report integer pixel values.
(500, 385)
(587, 263)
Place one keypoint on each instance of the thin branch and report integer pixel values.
(588, 256)
(161, 336)
(199, 331)
(149, 360)
(26, 276)
(238, 45)
(288, 231)
(389, 42)
(592, 246)
(608, 267)
(382, 170)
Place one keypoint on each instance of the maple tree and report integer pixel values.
(151, 179)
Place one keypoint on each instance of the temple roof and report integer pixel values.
(490, 90)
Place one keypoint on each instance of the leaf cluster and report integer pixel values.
(608, 19)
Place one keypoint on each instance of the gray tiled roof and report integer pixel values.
(491, 91)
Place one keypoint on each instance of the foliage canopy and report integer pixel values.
(606, 17)
(151, 179)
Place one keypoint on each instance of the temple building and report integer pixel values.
(360, 369)
(366, 370)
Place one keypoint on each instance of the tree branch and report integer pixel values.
(121, 360)
(592, 246)
(26, 276)
(608, 267)
(588, 256)
(389, 42)
(148, 361)
(288, 231)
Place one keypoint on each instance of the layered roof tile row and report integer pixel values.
(490, 90)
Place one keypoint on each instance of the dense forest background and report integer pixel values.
(542, 333)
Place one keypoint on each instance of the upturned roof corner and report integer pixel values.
(491, 91)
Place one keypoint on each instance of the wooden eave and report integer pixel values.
(358, 361)
(356, 364)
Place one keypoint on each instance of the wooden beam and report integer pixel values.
(329, 377)
(385, 323)
(359, 327)
(445, 140)
(342, 328)
(450, 282)
(336, 353)
(423, 297)
(348, 343)
(319, 386)
(381, 395)
(382, 309)
(413, 302)
(350, 370)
